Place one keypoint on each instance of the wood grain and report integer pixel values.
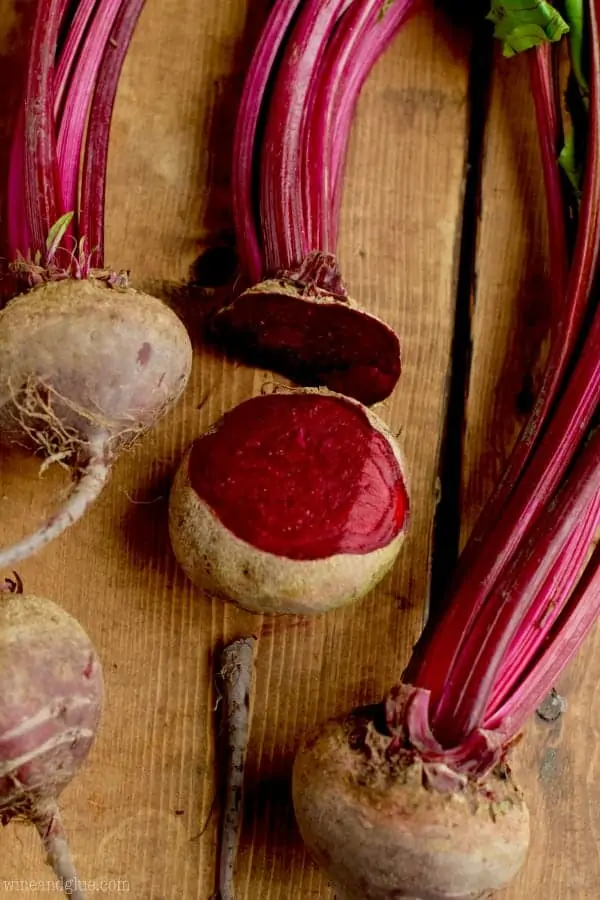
(142, 810)
(558, 763)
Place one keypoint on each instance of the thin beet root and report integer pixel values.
(54, 840)
(303, 325)
(236, 678)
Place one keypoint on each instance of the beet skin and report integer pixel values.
(381, 831)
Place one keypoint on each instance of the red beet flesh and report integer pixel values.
(302, 476)
(315, 339)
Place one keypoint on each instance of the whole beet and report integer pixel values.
(50, 705)
(85, 370)
(381, 831)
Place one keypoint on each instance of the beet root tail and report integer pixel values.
(54, 838)
(85, 491)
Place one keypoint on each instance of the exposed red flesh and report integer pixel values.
(301, 476)
(314, 340)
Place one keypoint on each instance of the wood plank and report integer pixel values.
(139, 809)
(557, 764)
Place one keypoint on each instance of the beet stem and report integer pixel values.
(71, 131)
(284, 226)
(94, 476)
(480, 661)
(33, 176)
(570, 630)
(69, 53)
(95, 162)
(481, 572)
(569, 297)
(245, 150)
(361, 37)
(237, 668)
(54, 839)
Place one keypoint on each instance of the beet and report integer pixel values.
(293, 502)
(385, 825)
(50, 704)
(303, 325)
(85, 370)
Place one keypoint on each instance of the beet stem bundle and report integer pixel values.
(443, 664)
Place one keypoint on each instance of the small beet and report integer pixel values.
(304, 326)
(293, 503)
(382, 831)
(85, 370)
(50, 705)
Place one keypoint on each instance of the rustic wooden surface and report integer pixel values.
(142, 811)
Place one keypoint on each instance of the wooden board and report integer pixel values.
(141, 815)
(558, 764)
(142, 811)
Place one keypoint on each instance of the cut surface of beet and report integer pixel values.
(317, 340)
(301, 476)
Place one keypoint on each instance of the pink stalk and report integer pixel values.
(479, 571)
(67, 102)
(472, 678)
(361, 37)
(493, 652)
(77, 100)
(244, 145)
(549, 604)
(314, 58)
(18, 235)
(33, 182)
(569, 633)
(383, 31)
(282, 210)
(569, 295)
(69, 53)
(95, 163)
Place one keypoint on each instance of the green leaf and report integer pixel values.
(575, 16)
(524, 24)
(571, 164)
(56, 233)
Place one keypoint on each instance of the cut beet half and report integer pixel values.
(300, 326)
(293, 502)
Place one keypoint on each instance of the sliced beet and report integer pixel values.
(303, 476)
(312, 335)
(292, 503)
